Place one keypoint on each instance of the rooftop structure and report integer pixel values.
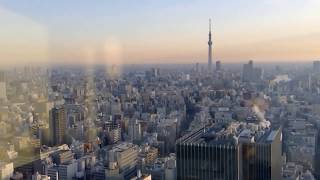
(232, 133)
(238, 150)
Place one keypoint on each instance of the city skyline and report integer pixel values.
(160, 90)
(154, 32)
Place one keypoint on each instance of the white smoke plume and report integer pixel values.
(260, 114)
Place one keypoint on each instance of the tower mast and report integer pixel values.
(210, 49)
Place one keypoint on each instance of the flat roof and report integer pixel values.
(229, 134)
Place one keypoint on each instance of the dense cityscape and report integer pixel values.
(161, 122)
(205, 120)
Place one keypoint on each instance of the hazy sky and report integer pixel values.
(157, 31)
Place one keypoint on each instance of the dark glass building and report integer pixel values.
(231, 153)
(57, 121)
(262, 159)
(317, 157)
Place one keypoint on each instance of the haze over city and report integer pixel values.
(160, 90)
(158, 32)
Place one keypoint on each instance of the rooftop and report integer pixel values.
(122, 147)
(231, 133)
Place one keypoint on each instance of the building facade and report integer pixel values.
(57, 125)
(203, 155)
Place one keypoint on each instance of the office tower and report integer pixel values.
(317, 157)
(210, 49)
(239, 151)
(316, 66)
(57, 125)
(2, 76)
(198, 159)
(218, 65)
(155, 72)
(134, 130)
(74, 115)
(247, 71)
(3, 90)
(197, 68)
(250, 73)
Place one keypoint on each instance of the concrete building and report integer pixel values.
(38, 176)
(63, 171)
(124, 158)
(62, 157)
(134, 130)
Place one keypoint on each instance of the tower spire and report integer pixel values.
(209, 25)
(209, 50)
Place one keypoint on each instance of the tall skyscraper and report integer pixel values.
(210, 49)
(218, 65)
(247, 71)
(316, 66)
(134, 130)
(57, 125)
(251, 74)
(317, 157)
(3, 91)
(197, 68)
(235, 152)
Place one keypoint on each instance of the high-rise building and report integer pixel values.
(210, 49)
(250, 73)
(57, 125)
(2, 78)
(316, 66)
(218, 65)
(197, 68)
(74, 115)
(3, 90)
(247, 71)
(155, 72)
(134, 130)
(317, 157)
(238, 152)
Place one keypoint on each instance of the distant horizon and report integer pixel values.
(258, 63)
(127, 32)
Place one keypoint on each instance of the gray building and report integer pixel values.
(316, 66)
(58, 125)
(236, 152)
(250, 73)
